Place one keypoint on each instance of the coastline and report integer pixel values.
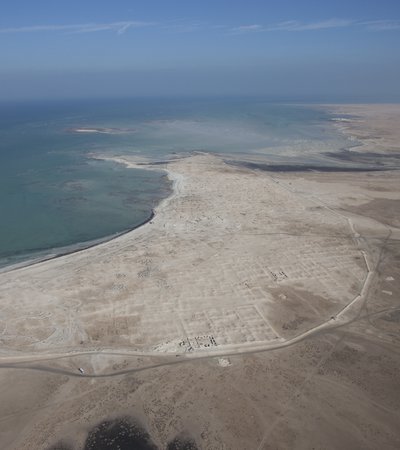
(342, 158)
(251, 296)
(59, 252)
(177, 177)
(220, 214)
(69, 251)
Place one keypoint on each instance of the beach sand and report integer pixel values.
(255, 310)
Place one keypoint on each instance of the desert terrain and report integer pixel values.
(256, 310)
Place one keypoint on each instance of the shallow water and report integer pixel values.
(53, 195)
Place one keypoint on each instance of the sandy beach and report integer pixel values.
(256, 310)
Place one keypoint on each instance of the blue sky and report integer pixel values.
(287, 48)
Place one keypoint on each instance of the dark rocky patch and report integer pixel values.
(182, 443)
(122, 434)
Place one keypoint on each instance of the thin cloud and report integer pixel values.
(381, 25)
(247, 28)
(297, 26)
(183, 26)
(117, 27)
(294, 25)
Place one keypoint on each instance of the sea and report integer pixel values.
(56, 196)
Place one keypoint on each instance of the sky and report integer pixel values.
(344, 50)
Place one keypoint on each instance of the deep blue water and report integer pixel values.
(53, 194)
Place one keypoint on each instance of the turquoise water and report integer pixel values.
(54, 195)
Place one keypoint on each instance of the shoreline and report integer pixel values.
(174, 178)
(204, 208)
(352, 155)
(96, 242)
(277, 290)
